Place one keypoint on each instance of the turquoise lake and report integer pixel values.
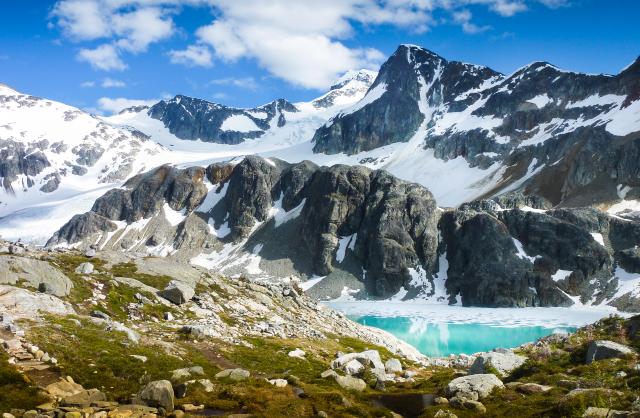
(442, 339)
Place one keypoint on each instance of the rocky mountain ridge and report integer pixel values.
(368, 232)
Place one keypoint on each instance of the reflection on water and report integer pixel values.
(442, 339)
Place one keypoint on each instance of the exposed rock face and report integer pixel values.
(410, 76)
(191, 119)
(564, 136)
(365, 230)
(35, 273)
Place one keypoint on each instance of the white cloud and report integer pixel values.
(88, 84)
(105, 57)
(248, 83)
(301, 41)
(110, 83)
(508, 8)
(118, 104)
(463, 18)
(194, 55)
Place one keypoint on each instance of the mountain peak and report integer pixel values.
(362, 75)
(4, 89)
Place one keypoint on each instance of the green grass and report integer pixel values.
(101, 359)
(16, 391)
(131, 270)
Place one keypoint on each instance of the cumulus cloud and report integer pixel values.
(463, 17)
(248, 83)
(301, 41)
(111, 83)
(193, 55)
(105, 57)
(116, 105)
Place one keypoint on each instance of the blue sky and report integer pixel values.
(101, 55)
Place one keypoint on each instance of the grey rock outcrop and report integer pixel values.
(368, 230)
(603, 349)
(34, 273)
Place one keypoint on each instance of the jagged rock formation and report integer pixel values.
(196, 119)
(568, 137)
(366, 230)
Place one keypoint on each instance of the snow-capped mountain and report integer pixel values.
(553, 133)
(51, 152)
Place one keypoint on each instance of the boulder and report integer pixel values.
(353, 367)
(604, 349)
(504, 363)
(64, 388)
(84, 268)
(367, 358)
(297, 353)
(531, 388)
(351, 383)
(159, 394)
(279, 383)
(91, 252)
(177, 292)
(393, 365)
(442, 413)
(479, 384)
(234, 374)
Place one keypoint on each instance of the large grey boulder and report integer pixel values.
(369, 358)
(158, 393)
(393, 365)
(177, 292)
(480, 385)
(603, 349)
(34, 273)
(504, 363)
(351, 383)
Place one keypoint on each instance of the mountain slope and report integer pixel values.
(50, 151)
(363, 233)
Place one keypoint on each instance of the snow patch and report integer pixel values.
(239, 123)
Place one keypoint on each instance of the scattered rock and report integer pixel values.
(279, 383)
(236, 375)
(367, 358)
(604, 349)
(531, 388)
(159, 394)
(504, 363)
(91, 252)
(480, 384)
(439, 400)
(328, 373)
(351, 383)
(100, 315)
(84, 268)
(353, 367)
(445, 414)
(470, 404)
(298, 353)
(177, 292)
(393, 365)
